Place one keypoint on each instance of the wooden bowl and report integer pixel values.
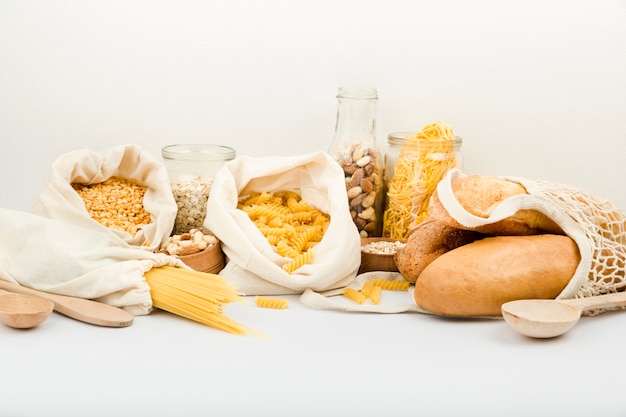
(209, 260)
(380, 261)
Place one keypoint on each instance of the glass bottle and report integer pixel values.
(354, 148)
(413, 168)
(191, 168)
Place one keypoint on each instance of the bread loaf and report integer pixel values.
(477, 278)
(429, 240)
(480, 195)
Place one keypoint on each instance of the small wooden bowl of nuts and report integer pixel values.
(377, 254)
(198, 249)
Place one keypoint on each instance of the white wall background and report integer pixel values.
(535, 88)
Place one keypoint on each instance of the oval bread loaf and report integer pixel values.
(429, 240)
(480, 195)
(476, 279)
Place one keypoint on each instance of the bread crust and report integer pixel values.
(477, 278)
(480, 195)
(429, 240)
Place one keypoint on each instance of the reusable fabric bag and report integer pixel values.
(253, 265)
(63, 258)
(58, 200)
(596, 225)
(59, 248)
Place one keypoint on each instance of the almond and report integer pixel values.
(357, 200)
(366, 185)
(189, 250)
(349, 169)
(356, 178)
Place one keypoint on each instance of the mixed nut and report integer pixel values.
(362, 170)
(188, 243)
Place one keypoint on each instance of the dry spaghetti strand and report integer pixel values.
(198, 296)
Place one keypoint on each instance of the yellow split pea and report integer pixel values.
(116, 203)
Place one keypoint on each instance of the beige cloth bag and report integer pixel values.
(59, 248)
(59, 201)
(69, 259)
(253, 266)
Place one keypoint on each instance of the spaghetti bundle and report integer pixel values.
(424, 160)
(195, 295)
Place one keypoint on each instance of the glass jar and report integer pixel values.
(354, 149)
(191, 168)
(413, 168)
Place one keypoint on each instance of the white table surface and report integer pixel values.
(312, 363)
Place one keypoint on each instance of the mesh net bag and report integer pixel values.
(603, 237)
(596, 225)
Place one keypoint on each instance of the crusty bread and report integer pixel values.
(477, 278)
(429, 240)
(480, 195)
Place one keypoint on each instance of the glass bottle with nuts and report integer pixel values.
(354, 149)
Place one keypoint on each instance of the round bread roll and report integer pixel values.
(477, 278)
(480, 195)
(429, 240)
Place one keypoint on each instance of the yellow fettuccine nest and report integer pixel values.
(424, 160)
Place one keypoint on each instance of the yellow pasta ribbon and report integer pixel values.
(424, 160)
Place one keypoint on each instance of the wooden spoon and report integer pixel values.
(551, 318)
(81, 309)
(23, 311)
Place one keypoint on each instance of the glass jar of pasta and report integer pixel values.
(191, 168)
(354, 149)
(414, 165)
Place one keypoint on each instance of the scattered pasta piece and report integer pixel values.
(367, 288)
(270, 302)
(392, 285)
(354, 295)
(375, 294)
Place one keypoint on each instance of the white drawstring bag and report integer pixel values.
(60, 248)
(58, 200)
(68, 259)
(253, 265)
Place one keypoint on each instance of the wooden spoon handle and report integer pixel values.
(81, 309)
(617, 299)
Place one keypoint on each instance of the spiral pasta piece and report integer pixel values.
(289, 224)
(270, 302)
(354, 295)
(392, 285)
